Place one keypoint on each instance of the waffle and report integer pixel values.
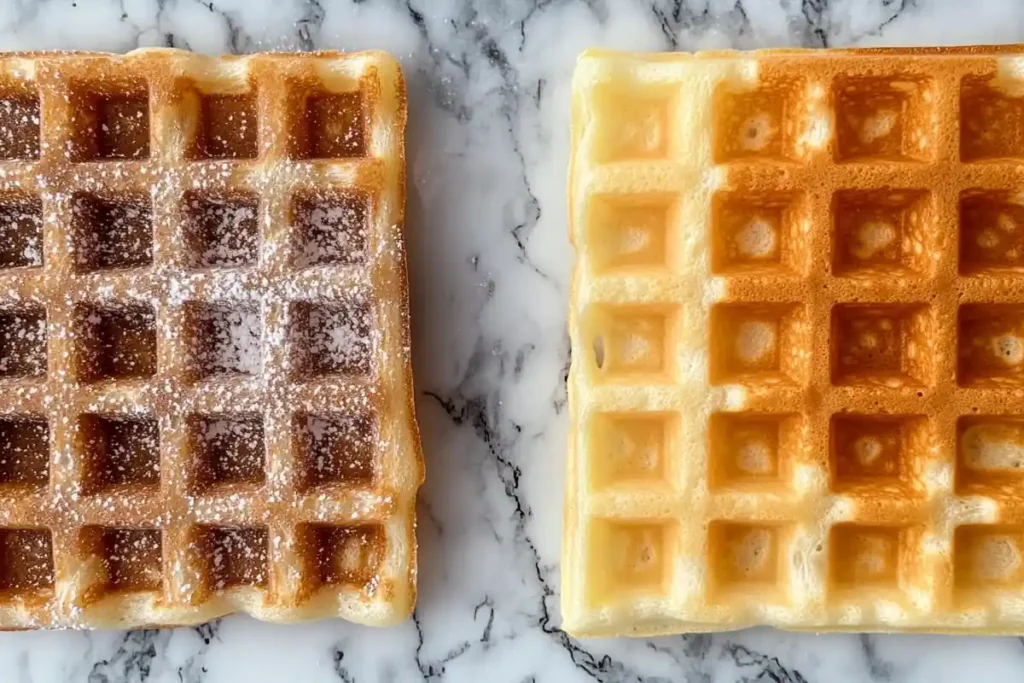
(798, 342)
(205, 388)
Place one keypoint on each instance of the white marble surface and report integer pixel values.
(490, 264)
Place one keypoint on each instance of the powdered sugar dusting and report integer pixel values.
(177, 285)
(22, 342)
(332, 229)
(226, 339)
(336, 448)
(112, 231)
(19, 127)
(24, 451)
(131, 558)
(21, 232)
(221, 230)
(116, 342)
(26, 559)
(235, 555)
(332, 339)
(229, 449)
(119, 451)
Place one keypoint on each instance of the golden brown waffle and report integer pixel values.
(798, 342)
(205, 388)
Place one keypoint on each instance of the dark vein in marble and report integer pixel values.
(818, 14)
(878, 668)
(435, 669)
(234, 30)
(338, 658)
(903, 6)
(677, 16)
(689, 653)
(440, 89)
(768, 668)
(131, 662)
(474, 412)
(194, 671)
(488, 604)
(309, 24)
(509, 110)
(598, 8)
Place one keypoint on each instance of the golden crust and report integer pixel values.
(205, 370)
(797, 327)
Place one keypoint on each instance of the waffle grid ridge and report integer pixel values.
(121, 504)
(797, 332)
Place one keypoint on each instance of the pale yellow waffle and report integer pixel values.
(797, 323)
(205, 388)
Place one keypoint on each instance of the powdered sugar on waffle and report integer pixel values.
(231, 268)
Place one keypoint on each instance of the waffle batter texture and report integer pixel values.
(205, 388)
(797, 389)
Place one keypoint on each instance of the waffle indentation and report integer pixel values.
(228, 127)
(864, 557)
(223, 339)
(633, 341)
(26, 561)
(334, 448)
(883, 232)
(758, 233)
(758, 343)
(22, 342)
(991, 232)
(746, 558)
(883, 452)
(111, 231)
(632, 232)
(887, 345)
(754, 449)
(331, 228)
(989, 454)
(19, 126)
(116, 342)
(24, 450)
(119, 450)
(228, 449)
(991, 121)
(631, 448)
(347, 555)
(232, 556)
(128, 560)
(987, 558)
(331, 338)
(335, 127)
(109, 125)
(630, 559)
(887, 118)
(21, 232)
(634, 122)
(758, 124)
(990, 343)
(221, 231)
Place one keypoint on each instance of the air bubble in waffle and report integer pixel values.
(797, 328)
(204, 345)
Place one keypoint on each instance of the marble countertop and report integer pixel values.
(490, 262)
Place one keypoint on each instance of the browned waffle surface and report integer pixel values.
(205, 388)
(798, 342)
